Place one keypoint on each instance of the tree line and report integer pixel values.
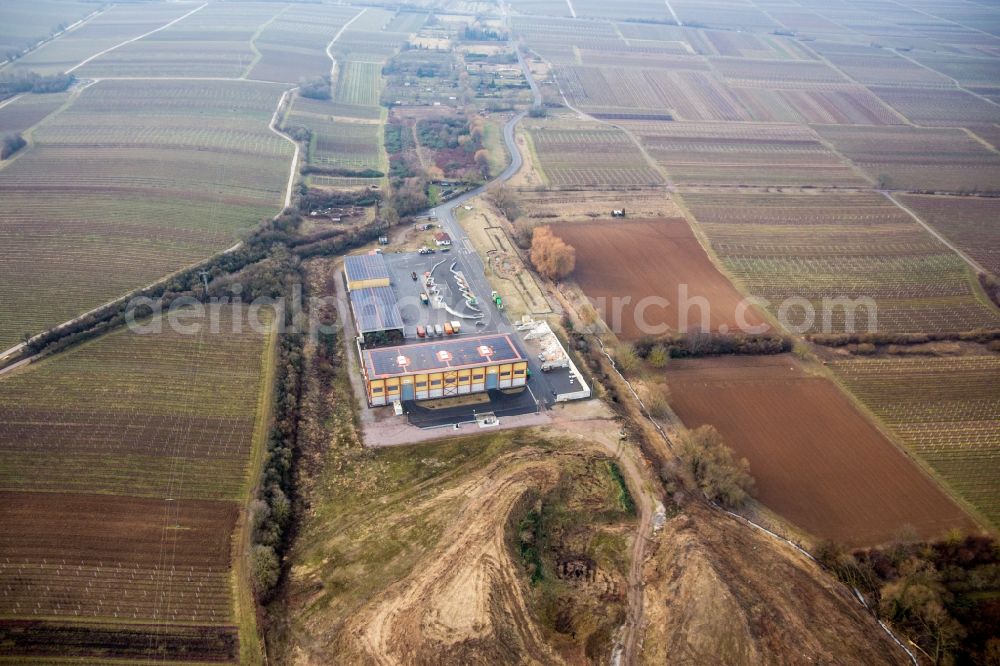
(941, 595)
(14, 83)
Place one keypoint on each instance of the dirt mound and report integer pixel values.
(465, 601)
(722, 593)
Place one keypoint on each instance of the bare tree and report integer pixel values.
(550, 255)
(715, 468)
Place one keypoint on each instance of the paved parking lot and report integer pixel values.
(402, 268)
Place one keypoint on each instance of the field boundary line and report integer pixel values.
(134, 39)
(677, 19)
(273, 126)
(257, 55)
(11, 100)
(952, 78)
(946, 20)
(252, 647)
(42, 42)
(343, 28)
(932, 231)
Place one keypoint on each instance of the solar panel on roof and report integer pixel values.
(366, 267)
(376, 309)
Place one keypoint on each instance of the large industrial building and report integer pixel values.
(415, 358)
(443, 368)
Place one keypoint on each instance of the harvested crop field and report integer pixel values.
(816, 459)
(653, 260)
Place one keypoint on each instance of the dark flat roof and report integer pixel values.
(376, 309)
(366, 267)
(446, 354)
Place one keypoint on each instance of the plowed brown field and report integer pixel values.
(817, 460)
(645, 260)
(106, 566)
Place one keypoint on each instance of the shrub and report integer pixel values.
(714, 467)
(658, 406)
(315, 88)
(626, 359)
(523, 230)
(11, 144)
(264, 569)
(658, 356)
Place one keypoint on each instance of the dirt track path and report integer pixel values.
(604, 433)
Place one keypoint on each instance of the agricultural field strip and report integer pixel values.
(111, 27)
(134, 39)
(903, 55)
(947, 20)
(242, 138)
(975, 265)
(911, 158)
(945, 410)
(969, 222)
(855, 245)
(73, 26)
(739, 154)
(105, 375)
(591, 157)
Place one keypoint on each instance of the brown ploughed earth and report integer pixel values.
(659, 260)
(817, 460)
(102, 576)
(720, 592)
